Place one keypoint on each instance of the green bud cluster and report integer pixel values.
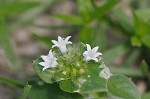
(71, 64)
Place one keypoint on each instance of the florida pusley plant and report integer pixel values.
(78, 68)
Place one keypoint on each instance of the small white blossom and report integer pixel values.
(105, 73)
(49, 60)
(61, 43)
(91, 54)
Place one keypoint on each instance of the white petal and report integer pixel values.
(44, 68)
(61, 43)
(50, 54)
(60, 39)
(54, 64)
(67, 38)
(87, 58)
(69, 42)
(88, 47)
(45, 58)
(95, 49)
(63, 49)
(85, 53)
(98, 54)
(45, 64)
(55, 58)
(55, 42)
(103, 65)
(54, 46)
(95, 59)
(105, 73)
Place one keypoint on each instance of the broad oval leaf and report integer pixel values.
(41, 90)
(94, 84)
(46, 75)
(86, 84)
(122, 87)
(69, 86)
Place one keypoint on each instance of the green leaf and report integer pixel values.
(132, 58)
(102, 10)
(124, 20)
(145, 69)
(142, 29)
(45, 40)
(143, 4)
(144, 14)
(16, 8)
(100, 38)
(29, 15)
(90, 82)
(132, 72)
(123, 87)
(26, 91)
(69, 85)
(85, 7)
(115, 52)
(69, 27)
(69, 18)
(135, 41)
(94, 67)
(11, 82)
(86, 35)
(146, 96)
(2, 2)
(146, 39)
(41, 90)
(46, 75)
(94, 83)
(6, 43)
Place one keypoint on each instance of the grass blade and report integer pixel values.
(5, 42)
(69, 18)
(10, 82)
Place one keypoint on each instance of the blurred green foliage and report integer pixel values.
(14, 14)
(87, 14)
(5, 24)
(96, 22)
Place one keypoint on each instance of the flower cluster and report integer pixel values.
(73, 58)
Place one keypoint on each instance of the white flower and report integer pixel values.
(49, 60)
(105, 73)
(61, 43)
(91, 54)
